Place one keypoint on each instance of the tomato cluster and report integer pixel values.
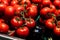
(20, 15)
(50, 13)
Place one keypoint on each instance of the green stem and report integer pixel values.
(38, 18)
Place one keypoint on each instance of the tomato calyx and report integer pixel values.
(17, 19)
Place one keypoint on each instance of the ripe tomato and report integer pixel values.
(9, 11)
(56, 31)
(53, 9)
(50, 23)
(23, 31)
(18, 9)
(0, 1)
(4, 28)
(5, 2)
(36, 1)
(46, 2)
(31, 11)
(30, 23)
(56, 3)
(16, 22)
(2, 21)
(57, 13)
(14, 2)
(25, 2)
(58, 22)
(45, 12)
(2, 7)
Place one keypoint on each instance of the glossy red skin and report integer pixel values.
(49, 23)
(16, 22)
(0, 0)
(57, 13)
(18, 9)
(36, 1)
(23, 32)
(9, 11)
(31, 11)
(5, 2)
(2, 21)
(53, 9)
(4, 28)
(14, 2)
(45, 11)
(58, 23)
(2, 7)
(27, 2)
(30, 23)
(46, 2)
(56, 31)
(57, 3)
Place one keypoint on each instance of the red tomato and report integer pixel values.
(18, 9)
(31, 11)
(57, 31)
(46, 2)
(0, 0)
(4, 28)
(58, 23)
(50, 23)
(14, 2)
(45, 12)
(22, 32)
(25, 2)
(5, 2)
(2, 7)
(1, 20)
(16, 22)
(30, 23)
(36, 1)
(56, 3)
(9, 11)
(53, 9)
(57, 13)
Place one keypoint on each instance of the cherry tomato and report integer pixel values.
(58, 22)
(53, 9)
(46, 2)
(50, 23)
(57, 12)
(25, 3)
(56, 3)
(18, 9)
(31, 11)
(2, 7)
(45, 12)
(0, 1)
(9, 11)
(56, 31)
(23, 31)
(5, 2)
(4, 28)
(30, 23)
(36, 1)
(16, 22)
(2, 21)
(14, 2)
